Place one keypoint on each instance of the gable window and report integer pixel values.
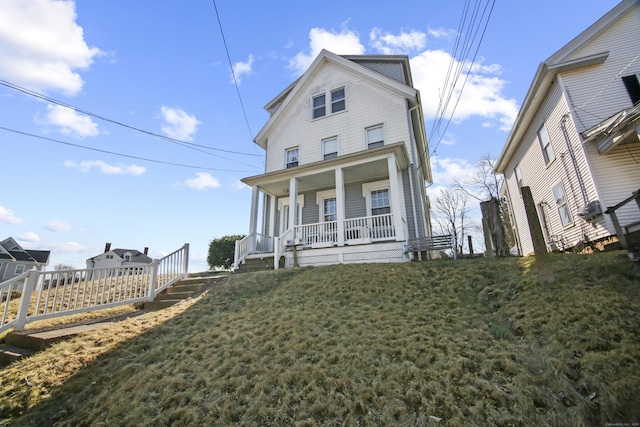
(127, 257)
(545, 144)
(561, 204)
(19, 269)
(337, 100)
(330, 148)
(319, 106)
(375, 137)
(291, 157)
(633, 87)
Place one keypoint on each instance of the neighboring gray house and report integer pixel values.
(346, 166)
(14, 260)
(112, 258)
(575, 142)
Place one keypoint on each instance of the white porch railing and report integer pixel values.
(38, 295)
(251, 244)
(320, 234)
(369, 229)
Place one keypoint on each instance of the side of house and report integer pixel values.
(112, 258)
(575, 141)
(15, 260)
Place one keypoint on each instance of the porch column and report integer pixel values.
(340, 214)
(394, 194)
(253, 220)
(272, 216)
(293, 204)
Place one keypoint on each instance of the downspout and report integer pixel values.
(565, 133)
(412, 172)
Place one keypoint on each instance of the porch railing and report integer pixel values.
(251, 244)
(370, 228)
(318, 234)
(39, 295)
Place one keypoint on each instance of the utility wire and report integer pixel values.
(112, 152)
(97, 116)
(233, 74)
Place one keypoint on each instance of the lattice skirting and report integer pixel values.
(389, 255)
(312, 258)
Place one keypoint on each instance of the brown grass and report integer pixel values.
(468, 342)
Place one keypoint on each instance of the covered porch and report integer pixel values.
(352, 200)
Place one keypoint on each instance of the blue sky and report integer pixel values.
(161, 66)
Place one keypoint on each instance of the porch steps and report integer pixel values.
(17, 345)
(250, 265)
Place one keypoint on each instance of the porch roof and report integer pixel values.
(359, 166)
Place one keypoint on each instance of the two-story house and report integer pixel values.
(346, 166)
(15, 260)
(575, 142)
(113, 258)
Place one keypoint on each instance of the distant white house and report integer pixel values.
(14, 260)
(112, 258)
(575, 142)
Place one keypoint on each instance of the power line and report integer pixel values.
(233, 74)
(112, 152)
(100, 117)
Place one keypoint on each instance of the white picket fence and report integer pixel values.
(39, 295)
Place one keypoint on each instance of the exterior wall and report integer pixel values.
(597, 93)
(8, 269)
(367, 104)
(101, 260)
(541, 178)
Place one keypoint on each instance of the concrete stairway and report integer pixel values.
(255, 264)
(23, 344)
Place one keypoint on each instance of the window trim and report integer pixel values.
(285, 201)
(320, 198)
(368, 187)
(329, 103)
(286, 157)
(366, 137)
(565, 205)
(323, 106)
(15, 271)
(342, 100)
(545, 153)
(324, 152)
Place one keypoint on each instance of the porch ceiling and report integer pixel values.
(359, 167)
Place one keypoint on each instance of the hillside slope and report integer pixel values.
(467, 342)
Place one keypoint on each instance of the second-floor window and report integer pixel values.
(545, 144)
(632, 83)
(330, 148)
(375, 136)
(337, 99)
(291, 157)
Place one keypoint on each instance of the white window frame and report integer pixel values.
(322, 106)
(562, 206)
(21, 267)
(286, 157)
(321, 196)
(127, 257)
(368, 187)
(547, 148)
(284, 201)
(339, 101)
(377, 143)
(324, 148)
(330, 106)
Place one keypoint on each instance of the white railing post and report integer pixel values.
(185, 271)
(276, 253)
(27, 290)
(152, 283)
(236, 255)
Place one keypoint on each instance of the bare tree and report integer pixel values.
(449, 211)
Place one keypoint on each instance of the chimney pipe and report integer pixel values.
(146, 250)
(107, 247)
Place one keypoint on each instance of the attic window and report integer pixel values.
(337, 98)
(319, 106)
(633, 87)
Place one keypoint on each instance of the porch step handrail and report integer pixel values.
(39, 295)
(252, 243)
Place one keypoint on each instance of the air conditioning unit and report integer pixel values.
(591, 211)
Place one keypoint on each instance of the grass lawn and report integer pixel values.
(467, 342)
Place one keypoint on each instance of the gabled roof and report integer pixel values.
(11, 250)
(136, 255)
(348, 62)
(561, 61)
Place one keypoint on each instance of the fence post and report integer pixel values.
(27, 290)
(276, 253)
(185, 272)
(152, 282)
(236, 255)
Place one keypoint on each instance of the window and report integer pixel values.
(633, 87)
(380, 202)
(561, 204)
(127, 257)
(337, 100)
(330, 148)
(19, 269)
(375, 137)
(329, 209)
(545, 143)
(319, 106)
(291, 158)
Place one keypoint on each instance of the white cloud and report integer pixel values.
(241, 69)
(343, 43)
(446, 171)
(28, 237)
(70, 122)
(57, 225)
(178, 124)
(203, 181)
(482, 95)
(67, 247)
(238, 185)
(7, 216)
(105, 168)
(42, 47)
(390, 44)
(441, 32)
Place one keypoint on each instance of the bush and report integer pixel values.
(221, 251)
